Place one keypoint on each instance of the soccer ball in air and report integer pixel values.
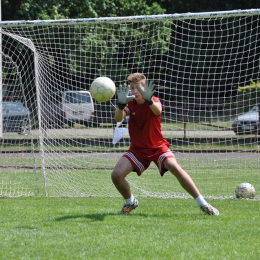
(245, 190)
(102, 89)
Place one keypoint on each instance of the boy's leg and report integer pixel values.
(183, 177)
(187, 183)
(118, 176)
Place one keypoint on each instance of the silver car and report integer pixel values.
(247, 123)
(15, 117)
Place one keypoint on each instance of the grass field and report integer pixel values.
(40, 227)
(90, 228)
(84, 175)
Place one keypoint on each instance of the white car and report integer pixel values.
(247, 123)
(69, 107)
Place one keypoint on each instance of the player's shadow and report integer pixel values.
(102, 216)
(95, 217)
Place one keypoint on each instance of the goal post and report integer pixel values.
(205, 67)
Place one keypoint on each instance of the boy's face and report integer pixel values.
(135, 92)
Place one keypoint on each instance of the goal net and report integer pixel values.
(206, 70)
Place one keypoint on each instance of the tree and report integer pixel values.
(49, 9)
(78, 54)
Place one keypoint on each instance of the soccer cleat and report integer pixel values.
(127, 208)
(209, 210)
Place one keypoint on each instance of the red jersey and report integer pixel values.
(144, 126)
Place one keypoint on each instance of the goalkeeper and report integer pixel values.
(147, 143)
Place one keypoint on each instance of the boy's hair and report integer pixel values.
(136, 77)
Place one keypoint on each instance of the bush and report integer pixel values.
(249, 93)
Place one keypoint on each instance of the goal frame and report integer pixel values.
(116, 20)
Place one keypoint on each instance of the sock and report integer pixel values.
(130, 200)
(201, 201)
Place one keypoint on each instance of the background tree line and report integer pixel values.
(49, 9)
(192, 79)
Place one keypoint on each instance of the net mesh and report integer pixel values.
(206, 73)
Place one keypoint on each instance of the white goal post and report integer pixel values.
(206, 70)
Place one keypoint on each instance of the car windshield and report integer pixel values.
(78, 98)
(11, 107)
(254, 109)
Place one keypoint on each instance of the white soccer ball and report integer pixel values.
(102, 89)
(245, 190)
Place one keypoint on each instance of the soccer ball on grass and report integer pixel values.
(102, 89)
(245, 190)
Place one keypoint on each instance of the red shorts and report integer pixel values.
(142, 159)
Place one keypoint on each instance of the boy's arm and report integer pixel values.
(119, 115)
(156, 107)
(147, 95)
(123, 99)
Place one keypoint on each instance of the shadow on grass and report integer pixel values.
(102, 216)
(97, 216)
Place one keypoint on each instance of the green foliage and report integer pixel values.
(48, 9)
(93, 45)
(90, 228)
(99, 44)
(106, 42)
(249, 92)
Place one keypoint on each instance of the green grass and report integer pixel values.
(89, 228)
(90, 176)
(222, 147)
(216, 125)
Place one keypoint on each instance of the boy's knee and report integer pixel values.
(115, 175)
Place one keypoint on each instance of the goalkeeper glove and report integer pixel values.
(147, 93)
(122, 96)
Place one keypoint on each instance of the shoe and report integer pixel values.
(209, 210)
(127, 208)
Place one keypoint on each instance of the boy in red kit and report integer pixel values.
(147, 143)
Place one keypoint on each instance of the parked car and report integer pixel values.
(69, 107)
(15, 117)
(247, 123)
